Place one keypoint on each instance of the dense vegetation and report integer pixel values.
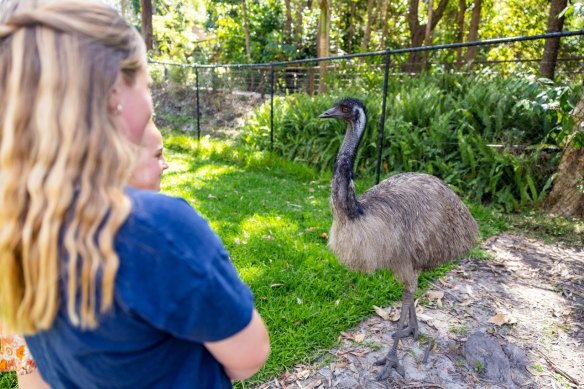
(214, 31)
(494, 140)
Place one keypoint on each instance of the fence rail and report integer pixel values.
(311, 78)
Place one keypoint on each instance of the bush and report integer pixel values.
(493, 140)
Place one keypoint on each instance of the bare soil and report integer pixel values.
(513, 321)
(222, 113)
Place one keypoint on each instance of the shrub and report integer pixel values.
(493, 140)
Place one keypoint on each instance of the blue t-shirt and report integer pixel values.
(175, 289)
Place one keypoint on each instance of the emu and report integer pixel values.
(407, 223)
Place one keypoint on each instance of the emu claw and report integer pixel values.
(389, 362)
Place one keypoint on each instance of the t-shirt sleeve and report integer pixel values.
(180, 278)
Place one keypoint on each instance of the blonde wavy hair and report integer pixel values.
(63, 162)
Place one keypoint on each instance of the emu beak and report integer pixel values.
(331, 113)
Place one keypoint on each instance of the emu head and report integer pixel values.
(348, 109)
(353, 112)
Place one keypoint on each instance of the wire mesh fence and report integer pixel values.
(214, 98)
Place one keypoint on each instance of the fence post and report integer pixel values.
(382, 124)
(271, 107)
(198, 110)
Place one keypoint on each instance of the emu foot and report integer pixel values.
(405, 332)
(390, 361)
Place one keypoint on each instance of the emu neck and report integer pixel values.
(344, 200)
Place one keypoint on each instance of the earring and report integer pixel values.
(119, 109)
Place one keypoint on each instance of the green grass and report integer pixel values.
(272, 214)
(8, 380)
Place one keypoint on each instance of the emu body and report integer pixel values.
(407, 223)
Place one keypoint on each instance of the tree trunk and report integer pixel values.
(147, 23)
(246, 31)
(473, 32)
(351, 32)
(323, 42)
(124, 8)
(288, 23)
(417, 30)
(298, 25)
(384, 12)
(367, 34)
(547, 66)
(567, 195)
(460, 31)
(428, 33)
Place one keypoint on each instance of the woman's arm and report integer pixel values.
(244, 353)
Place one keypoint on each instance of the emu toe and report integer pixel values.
(390, 361)
(411, 329)
(405, 332)
(408, 313)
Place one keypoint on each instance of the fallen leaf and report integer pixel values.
(381, 312)
(394, 315)
(347, 335)
(324, 235)
(425, 318)
(435, 295)
(502, 318)
(314, 384)
(303, 374)
(359, 338)
(312, 229)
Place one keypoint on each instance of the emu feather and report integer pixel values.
(407, 223)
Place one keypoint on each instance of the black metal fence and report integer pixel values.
(250, 84)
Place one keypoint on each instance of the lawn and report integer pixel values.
(273, 217)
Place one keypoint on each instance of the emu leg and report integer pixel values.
(412, 327)
(391, 361)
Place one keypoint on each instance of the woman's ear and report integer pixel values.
(114, 104)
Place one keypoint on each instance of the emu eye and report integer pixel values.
(345, 109)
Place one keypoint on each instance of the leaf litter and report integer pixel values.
(527, 302)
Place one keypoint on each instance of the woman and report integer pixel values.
(113, 287)
(150, 164)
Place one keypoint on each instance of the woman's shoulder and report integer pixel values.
(147, 201)
(166, 215)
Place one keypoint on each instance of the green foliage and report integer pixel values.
(8, 380)
(265, 21)
(494, 140)
(212, 30)
(174, 24)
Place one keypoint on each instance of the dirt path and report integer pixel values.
(516, 321)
